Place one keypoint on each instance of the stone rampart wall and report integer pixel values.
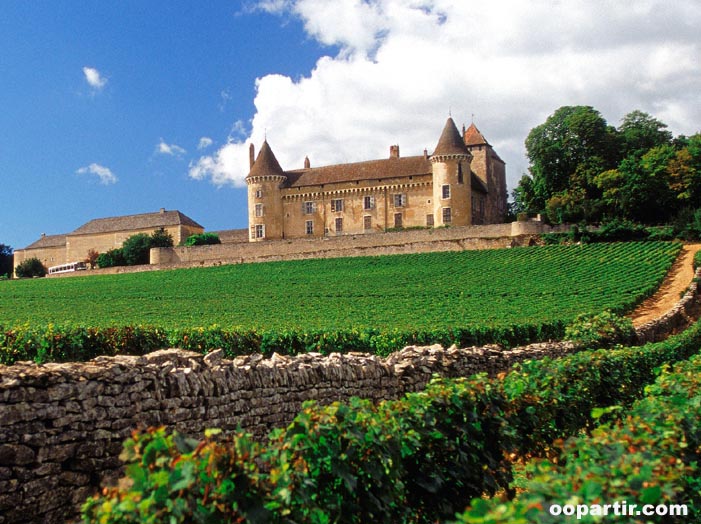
(62, 425)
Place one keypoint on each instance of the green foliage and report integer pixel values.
(697, 260)
(600, 330)
(6, 258)
(372, 304)
(202, 239)
(414, 460)
(112, 258)
(161, 238)
(583, 169)
(32, 267)
(649, 457)
(136, 248)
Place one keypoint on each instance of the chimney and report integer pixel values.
(43, 235)
(162, 211)
(251, 155)
(425, 154)
(394, 151)
(307, 164)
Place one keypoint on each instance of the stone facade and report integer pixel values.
(462, 183)
(104, 234)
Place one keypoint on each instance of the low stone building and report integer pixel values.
(462, 183)
(103, 234)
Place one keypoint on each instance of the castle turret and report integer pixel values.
(452, 190)
(265, 213)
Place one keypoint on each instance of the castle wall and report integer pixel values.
(382, 212)
(408, 241)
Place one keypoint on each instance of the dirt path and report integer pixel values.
(677, 280)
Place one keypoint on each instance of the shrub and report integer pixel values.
(32, 267)
(114, 257)
(161, 238)
(697, 260)
(617, 230)
(600, 330)
(136, 249)
(415, 460)
(202, 239)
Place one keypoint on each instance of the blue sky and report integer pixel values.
(111, 108)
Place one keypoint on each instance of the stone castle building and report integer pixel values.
(103, 234)
(462, 183)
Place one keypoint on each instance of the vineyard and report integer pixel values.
(377, 304)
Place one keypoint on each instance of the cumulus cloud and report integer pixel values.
(169, 149)
(399, 67)
(104, 174)
(94, 78)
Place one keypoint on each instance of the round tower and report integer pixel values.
(265, 210)
(452, 190)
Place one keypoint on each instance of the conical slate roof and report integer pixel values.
(266, 164)
(450, 142)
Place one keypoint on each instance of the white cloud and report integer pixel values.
(402, 65)
(169, 149)
(104, 174)
(204, 142)
(94, 78)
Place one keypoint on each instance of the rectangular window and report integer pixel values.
(398, 220)
(259, 193)
(309, 227)
(339, 225)
(260, 230)
(445, 191)
(259, 210)
(368, 202)
(400, 200)
(447, 217)
(429, 220)
(461, 178)
(337, 205)
(367, 222)
(309, 208)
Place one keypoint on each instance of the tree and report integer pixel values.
(569, 138)
(639, 132)
(202, 239)
(136, 249)
(91, 258)
(161, 238)
(32, 267)
(112, 258)
(6, 258)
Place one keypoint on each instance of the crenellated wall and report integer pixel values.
(62, 425)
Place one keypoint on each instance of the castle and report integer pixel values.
(462, 183)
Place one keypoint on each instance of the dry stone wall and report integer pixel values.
(676, 319)
(62, 425)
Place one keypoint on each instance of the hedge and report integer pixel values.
(53, 343)
(418, 459)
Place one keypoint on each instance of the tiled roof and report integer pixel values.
(132, 222)
(357, 171)
(473, 137)
(266, 164)
(48, 241)
(450, 142)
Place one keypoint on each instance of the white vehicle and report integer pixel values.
(66, 268)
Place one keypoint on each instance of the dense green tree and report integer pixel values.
(161, 238)
(6, 258)
(136, 249)
(639, 132)
(569, 138)
(112, 258)
(32, 267)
